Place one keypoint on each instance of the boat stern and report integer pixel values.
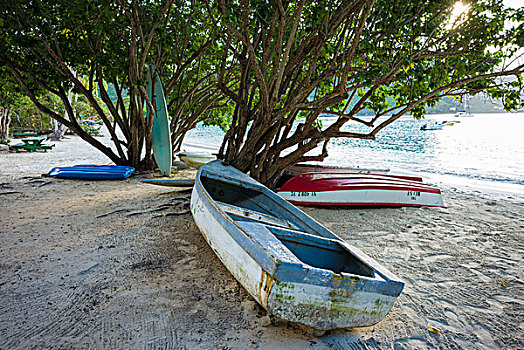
(341, 301)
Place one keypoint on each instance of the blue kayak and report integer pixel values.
(93, 172)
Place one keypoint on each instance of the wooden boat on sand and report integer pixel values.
(359, 190)
(291, 265)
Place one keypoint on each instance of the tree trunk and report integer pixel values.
(5, 120)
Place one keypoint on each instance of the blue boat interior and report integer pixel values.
(245, 205)
(321, 252)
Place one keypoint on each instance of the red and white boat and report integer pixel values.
(359, 190)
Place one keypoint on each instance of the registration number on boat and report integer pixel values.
(303, 194)
(414, 193)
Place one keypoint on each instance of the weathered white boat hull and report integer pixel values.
(243, 267)
(324, 308)
(318, 307)
(322, 300)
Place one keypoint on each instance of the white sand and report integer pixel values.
(121, 265)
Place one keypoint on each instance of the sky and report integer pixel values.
(513, 3)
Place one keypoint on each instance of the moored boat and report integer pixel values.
(433, 125)
(463, 114)
(359, 190)
(466, 111)
(291, 265)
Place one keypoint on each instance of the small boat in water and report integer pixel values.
(466, 111)
(291, 265)
(360, 190)
(196, 159)
(463, 114)
(433, 125)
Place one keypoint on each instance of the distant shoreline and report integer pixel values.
(490, 187)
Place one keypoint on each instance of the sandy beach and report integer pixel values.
(121, 265)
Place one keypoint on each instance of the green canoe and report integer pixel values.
(160, 135)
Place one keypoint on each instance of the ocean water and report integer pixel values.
(486, 147)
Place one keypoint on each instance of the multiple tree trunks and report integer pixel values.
(88, 47)
(295, 61)
(263, 71)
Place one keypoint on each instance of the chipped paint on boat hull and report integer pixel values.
(292, 266)
(322, 308)
(318, 307)
(241, 265)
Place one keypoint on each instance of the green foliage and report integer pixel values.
(253, 67)
(407, 52)
(300, 59)
(28, 116)
(12, 95)
(94, 47)
(23, 112)
(218, 117)
(91, 128)
(475, 46)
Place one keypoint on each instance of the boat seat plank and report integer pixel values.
(295, 247)
(261, 234)
(283, 229)
(253, 215)
(304, 238)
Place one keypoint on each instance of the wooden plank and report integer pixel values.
(255, 216)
